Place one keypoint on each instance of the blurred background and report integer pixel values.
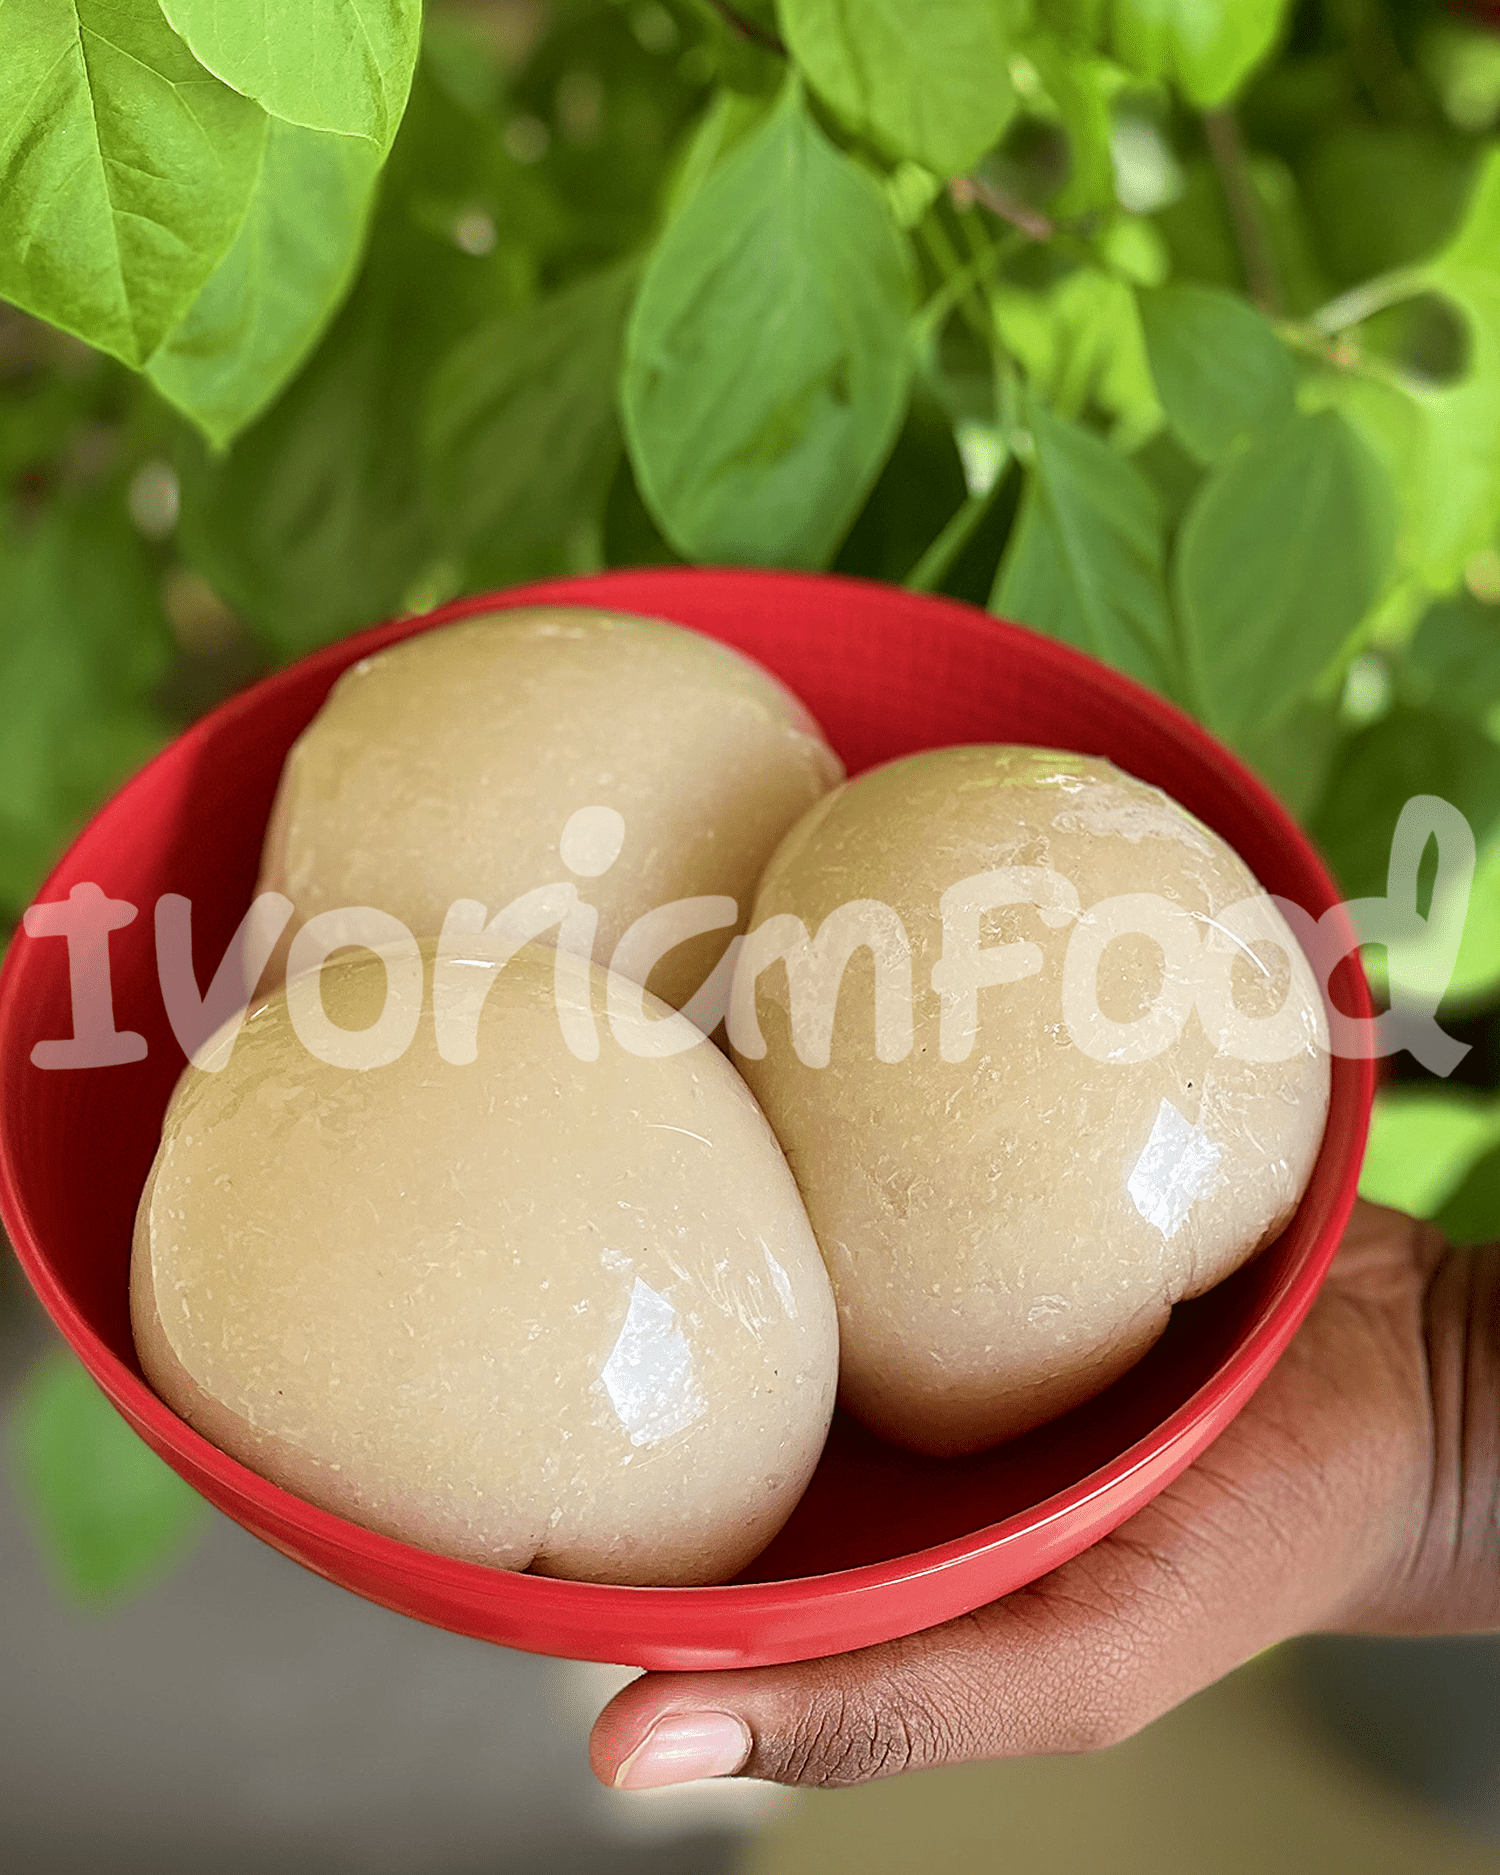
(439, 412)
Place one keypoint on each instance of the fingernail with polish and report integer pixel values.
(682, 1746)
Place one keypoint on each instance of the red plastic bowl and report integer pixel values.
(883, 1543)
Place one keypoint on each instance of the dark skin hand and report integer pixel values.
(1358, 1492)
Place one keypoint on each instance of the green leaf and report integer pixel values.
(1172, 472)
(1441, 443)
(1081, 345)
(928, 79)
(340, 65)
(1379, 196)
(729, 119)
(273, 293)
(1462, 466)
(1409, 751)
(111, 1513)
(746, 61)
(1397, 430)
(314, 523)
(1084, 563)
(1472, 1214)
(1476, 969)
(522, 437)
(1206, 47)
(83, 645)
(1281, 555)
(1421, 1143)
(1081, 89)
(1295, 754)
(125, 169)
(767, 359)
(1220, 371)
(317, 519)
(1076, 21)
(1453, 662)
(1463, 62)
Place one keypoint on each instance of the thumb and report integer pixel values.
(1030, 1674)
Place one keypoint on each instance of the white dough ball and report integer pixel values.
(534, 1311)
(1122, 1102)
(638, 761)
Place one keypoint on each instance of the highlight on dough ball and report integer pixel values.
(630, 761)
(537, 1311)
(1098, 1091)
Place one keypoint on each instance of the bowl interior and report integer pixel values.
(886, 673)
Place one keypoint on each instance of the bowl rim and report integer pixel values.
(1229, 1386)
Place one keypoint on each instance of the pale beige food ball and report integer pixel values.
(535, 1311)
(1010, 1202)
(450, 767)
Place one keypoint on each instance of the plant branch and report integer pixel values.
(955, 286)
(1363, 301)
(1344, 355)
(934, 566)
(1226, 148)
(958, 286)
(1036, 226)
(747, 29)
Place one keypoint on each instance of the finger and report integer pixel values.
(1080, 1661)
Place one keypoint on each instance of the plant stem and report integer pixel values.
(958, 280)
(747, 29)
(933, 567)
(1030, 221)
(953, 288)
(1343, 355)
(1364, 300)
(1226, 147)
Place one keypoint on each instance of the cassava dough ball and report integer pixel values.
(449, 766)
(533, 1311)
(1010, 1209)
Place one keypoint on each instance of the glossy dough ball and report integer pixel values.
(449, 766)
(535, 1311)
(1111, 1112)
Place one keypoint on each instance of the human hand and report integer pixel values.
(1359, 1490)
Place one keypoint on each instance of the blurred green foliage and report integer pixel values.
(110, 1512)
(1169, 327)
